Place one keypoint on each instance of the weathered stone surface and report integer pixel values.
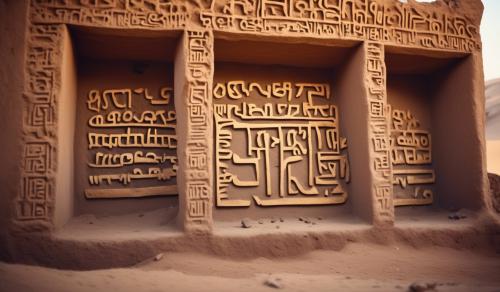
(246, 223)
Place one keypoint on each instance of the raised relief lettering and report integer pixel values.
(388, 22)
(411, 157)
(292, 153)
(130, 145)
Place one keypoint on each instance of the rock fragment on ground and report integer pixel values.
(422, 287)
(457, 215)
(274, 282)
(246, 223)
(158, 257)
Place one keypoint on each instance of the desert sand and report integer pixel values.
(357, 267)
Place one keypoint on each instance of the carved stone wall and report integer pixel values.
(389, 22)
(35, 203)
(194, 110)
(377, 23)
(379, 131)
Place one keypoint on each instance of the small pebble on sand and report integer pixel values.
(274, 283)
(158, 257)
(246, 223)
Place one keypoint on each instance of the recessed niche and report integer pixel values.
(282, 144)
(123, 123)
(432, 134)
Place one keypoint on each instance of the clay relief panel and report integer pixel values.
(278, 144)
(153, 14)
(131, 142)
(411, 158)
(410, 24)
(381, 21)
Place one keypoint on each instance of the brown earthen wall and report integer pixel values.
(353, 105)
(64, 201)
(12, 74)
(459, 135)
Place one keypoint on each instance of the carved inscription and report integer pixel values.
(379, 131)
(153, 14)
(408, 24)
(380, 21)
(278, 144)
(375, 22)
(411, 157)
(36, 200)
(197, 141)
(132, 138)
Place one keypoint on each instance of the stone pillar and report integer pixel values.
(34, 205)
(193, 104)
(379, 134)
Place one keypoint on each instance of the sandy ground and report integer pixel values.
(358, 267)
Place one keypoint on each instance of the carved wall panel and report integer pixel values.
(411, 159)
(375, 22)
(150, 14)
(389, 22)
(125, 136)
(293, 152)
(132, 138)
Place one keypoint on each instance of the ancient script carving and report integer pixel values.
(411, 158)
(379, 131)
(43, 51)
(123, 140)
(197, 178)
(292, 153)
(391, 22)
(153, 14)
(379, 21)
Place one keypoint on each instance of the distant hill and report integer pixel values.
(492, 92)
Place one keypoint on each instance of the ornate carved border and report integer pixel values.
(198, 143)
(385, 22)
(379, 132)
(392, 23)
(35, 202)
(146, 14)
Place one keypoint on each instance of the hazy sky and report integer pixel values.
(490, 33)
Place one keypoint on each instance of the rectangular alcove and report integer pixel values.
(117, 128)
(286, 140)
(434, 133)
